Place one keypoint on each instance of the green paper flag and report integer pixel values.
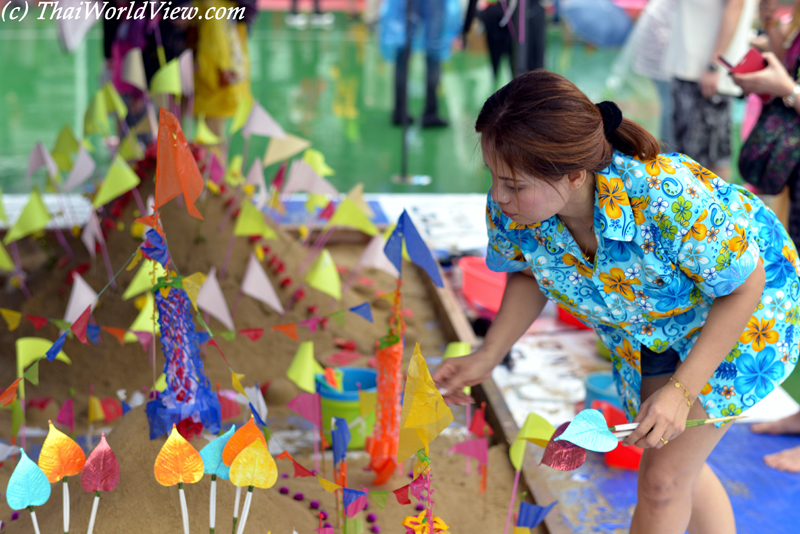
(95, 120)
(143, 280)
(338, 317)
(350, 215)
(3, 216)
(251, 222)
(242, 114)
(30, 349)
(324, 277)
(304, 367)
(66, 144)
(119, 180)
(144, 321)
(34, 217)
(204, 135)
(379, 497)
(316, 200)
(130, 149)
(5, 260)
(32, 374)
(227, 335)
(167, 79)
(61, 324)
(353, 525)
(536, 430)
(17, 417)
(114, 101)
(316, 161)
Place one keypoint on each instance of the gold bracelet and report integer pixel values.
(685, 391)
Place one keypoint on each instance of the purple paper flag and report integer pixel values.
(216, 171)
(417, 249)
(256, 284)
(473, 448)
(307, 405)
(312, 323)
(53, 351)
(40, 157)
(363, 310)
(210, 299)
(261, 123)
(82, 170)
(144, 339)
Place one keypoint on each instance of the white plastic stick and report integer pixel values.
(35, 522)
(66, 506)
(89, 436)
(184, 509)
(236, 506)
(622, 435)
(245, 510)
(212, 506)
(94, 512)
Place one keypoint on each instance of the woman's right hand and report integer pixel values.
(773, 80)
(454, 374)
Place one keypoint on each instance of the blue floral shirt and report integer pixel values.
(672, 237)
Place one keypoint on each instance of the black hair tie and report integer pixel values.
(612, 116)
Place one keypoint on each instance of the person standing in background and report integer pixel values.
(702, 30)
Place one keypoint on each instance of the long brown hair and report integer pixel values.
(544, 126)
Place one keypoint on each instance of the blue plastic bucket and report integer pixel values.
(601, 386)
(345, 404)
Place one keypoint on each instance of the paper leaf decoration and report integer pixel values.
(34, 217)
(563, 455)
(101, 471)
(261, 123)
(418, 251)
(531, 515)
(424, 413)
(60, 456)
(212, 455)
(308, 406)
(240, 439)
(590, 431)
(254, 466)
(176, 170)
(210, 299)
(178, 462)
(324, 277)
(251, 222)
(304, 366)
(473, 448)
(536, 430)
(283, 149)
(28, 485)
(349, 215)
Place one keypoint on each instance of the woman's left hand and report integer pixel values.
(772, 79)
(661, 417)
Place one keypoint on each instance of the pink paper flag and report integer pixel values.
(373, 256)
(144, 339)
(256, 284)
(303, 178)
(82, 296)
(92, 234)
(356, 506)
(473, 448)
(80, 324)
(40, 157)
(261, 123)
(417, 486)
(255, 176)
(312, 323)
(82, 170)
(343, 358)
(277, 181)
(307, 406)
(210, 299)
(216, 171)
(327, 213)
(66, 415)
(186, 66)
(72, 30)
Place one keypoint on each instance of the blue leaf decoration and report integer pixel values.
(726, 371)
(212, 456)
(590, 431)
(28, 485)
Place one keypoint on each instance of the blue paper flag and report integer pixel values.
(125, 407)
(202, 336)
(363, 310)
(212, 455)
(353, 501)
(417, 249)
(53, 351)
(341, 439)
(256, 416)
(530, 515)
(28, 485)
(93, 333)
(155, 248)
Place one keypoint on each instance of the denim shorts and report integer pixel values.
(656, 364)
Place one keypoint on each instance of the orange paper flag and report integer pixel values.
(240, 439)
(8, 396)
(118, 333)
(176, 171)
(61, 456)
(289, 330)
(178, 462)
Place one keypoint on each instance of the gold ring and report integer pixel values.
(664, 441)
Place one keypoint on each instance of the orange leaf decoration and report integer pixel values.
(240, 440)
(176, 169)
(178, 462)
(254, 466)
(61, 456)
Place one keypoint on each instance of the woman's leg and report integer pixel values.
(676, 489)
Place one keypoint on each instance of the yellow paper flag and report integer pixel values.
(34, 217)
(233, 176)
(237, 384)
(350, 215)
(66, 144)
(204, 135)
(161, 383)
(275, 202)
(324, 277)
(144, 321)
(114, 101)
(327, 485)
(316, 200)
(536, 430)
(192, 284)
(130, 149)
(167, 79)
(356, 194)
(251, 222)
(95, 120)
(6, 264)
(424, 413)
(283, 149)
(316, 161)
(367, 400)
(119, 180)
(95, 410)
(254, 466)
(143, 280)
(30, 349)
(304, 366)
(12, 318)
(243, 110)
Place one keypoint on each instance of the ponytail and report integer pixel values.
(633, 140)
